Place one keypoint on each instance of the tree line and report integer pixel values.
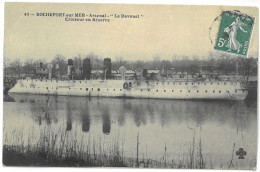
(223, 64)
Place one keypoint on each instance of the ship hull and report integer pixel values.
(134, 89)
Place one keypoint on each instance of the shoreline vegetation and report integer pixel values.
(61, 148)
(214, 63)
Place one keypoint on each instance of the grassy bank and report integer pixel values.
(14, 157)
(50, 147)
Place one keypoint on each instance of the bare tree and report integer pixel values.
(61, 61)
(29, 66)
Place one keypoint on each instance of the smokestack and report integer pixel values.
(86, 68)
(70, 66)
(107, 67)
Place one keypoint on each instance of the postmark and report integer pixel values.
(234, 34)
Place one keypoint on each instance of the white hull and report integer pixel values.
(153, 89)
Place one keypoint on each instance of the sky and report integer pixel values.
(160, 30)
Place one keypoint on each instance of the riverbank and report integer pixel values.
(12, 157)
(58, 150)
(61, 149)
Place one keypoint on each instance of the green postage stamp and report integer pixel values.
(234, 33)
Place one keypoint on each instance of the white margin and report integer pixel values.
(165, 2)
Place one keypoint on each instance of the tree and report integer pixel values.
(95, 60)
(61, 61)
(249, 66)
(77, 62)
(29, 66)
(156, 62)
(138, 64)
(15, 67)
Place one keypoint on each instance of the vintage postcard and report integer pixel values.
(127, 85)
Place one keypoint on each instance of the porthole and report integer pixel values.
(219, 91)
(114, 89)
(98, 89)
(172, 90)
(156, 90)
(164, 90)
(47, 88)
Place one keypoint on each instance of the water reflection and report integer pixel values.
(167, 112)
(85, 118)
(68, 115)
(106, 122)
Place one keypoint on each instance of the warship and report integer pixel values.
(142, 84)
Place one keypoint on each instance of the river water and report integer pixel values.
(163, 128)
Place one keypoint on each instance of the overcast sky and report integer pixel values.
(164, 31)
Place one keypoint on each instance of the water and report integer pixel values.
(166, 128)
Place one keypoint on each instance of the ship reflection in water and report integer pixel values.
(218, 124)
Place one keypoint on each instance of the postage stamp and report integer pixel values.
(234, 33)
